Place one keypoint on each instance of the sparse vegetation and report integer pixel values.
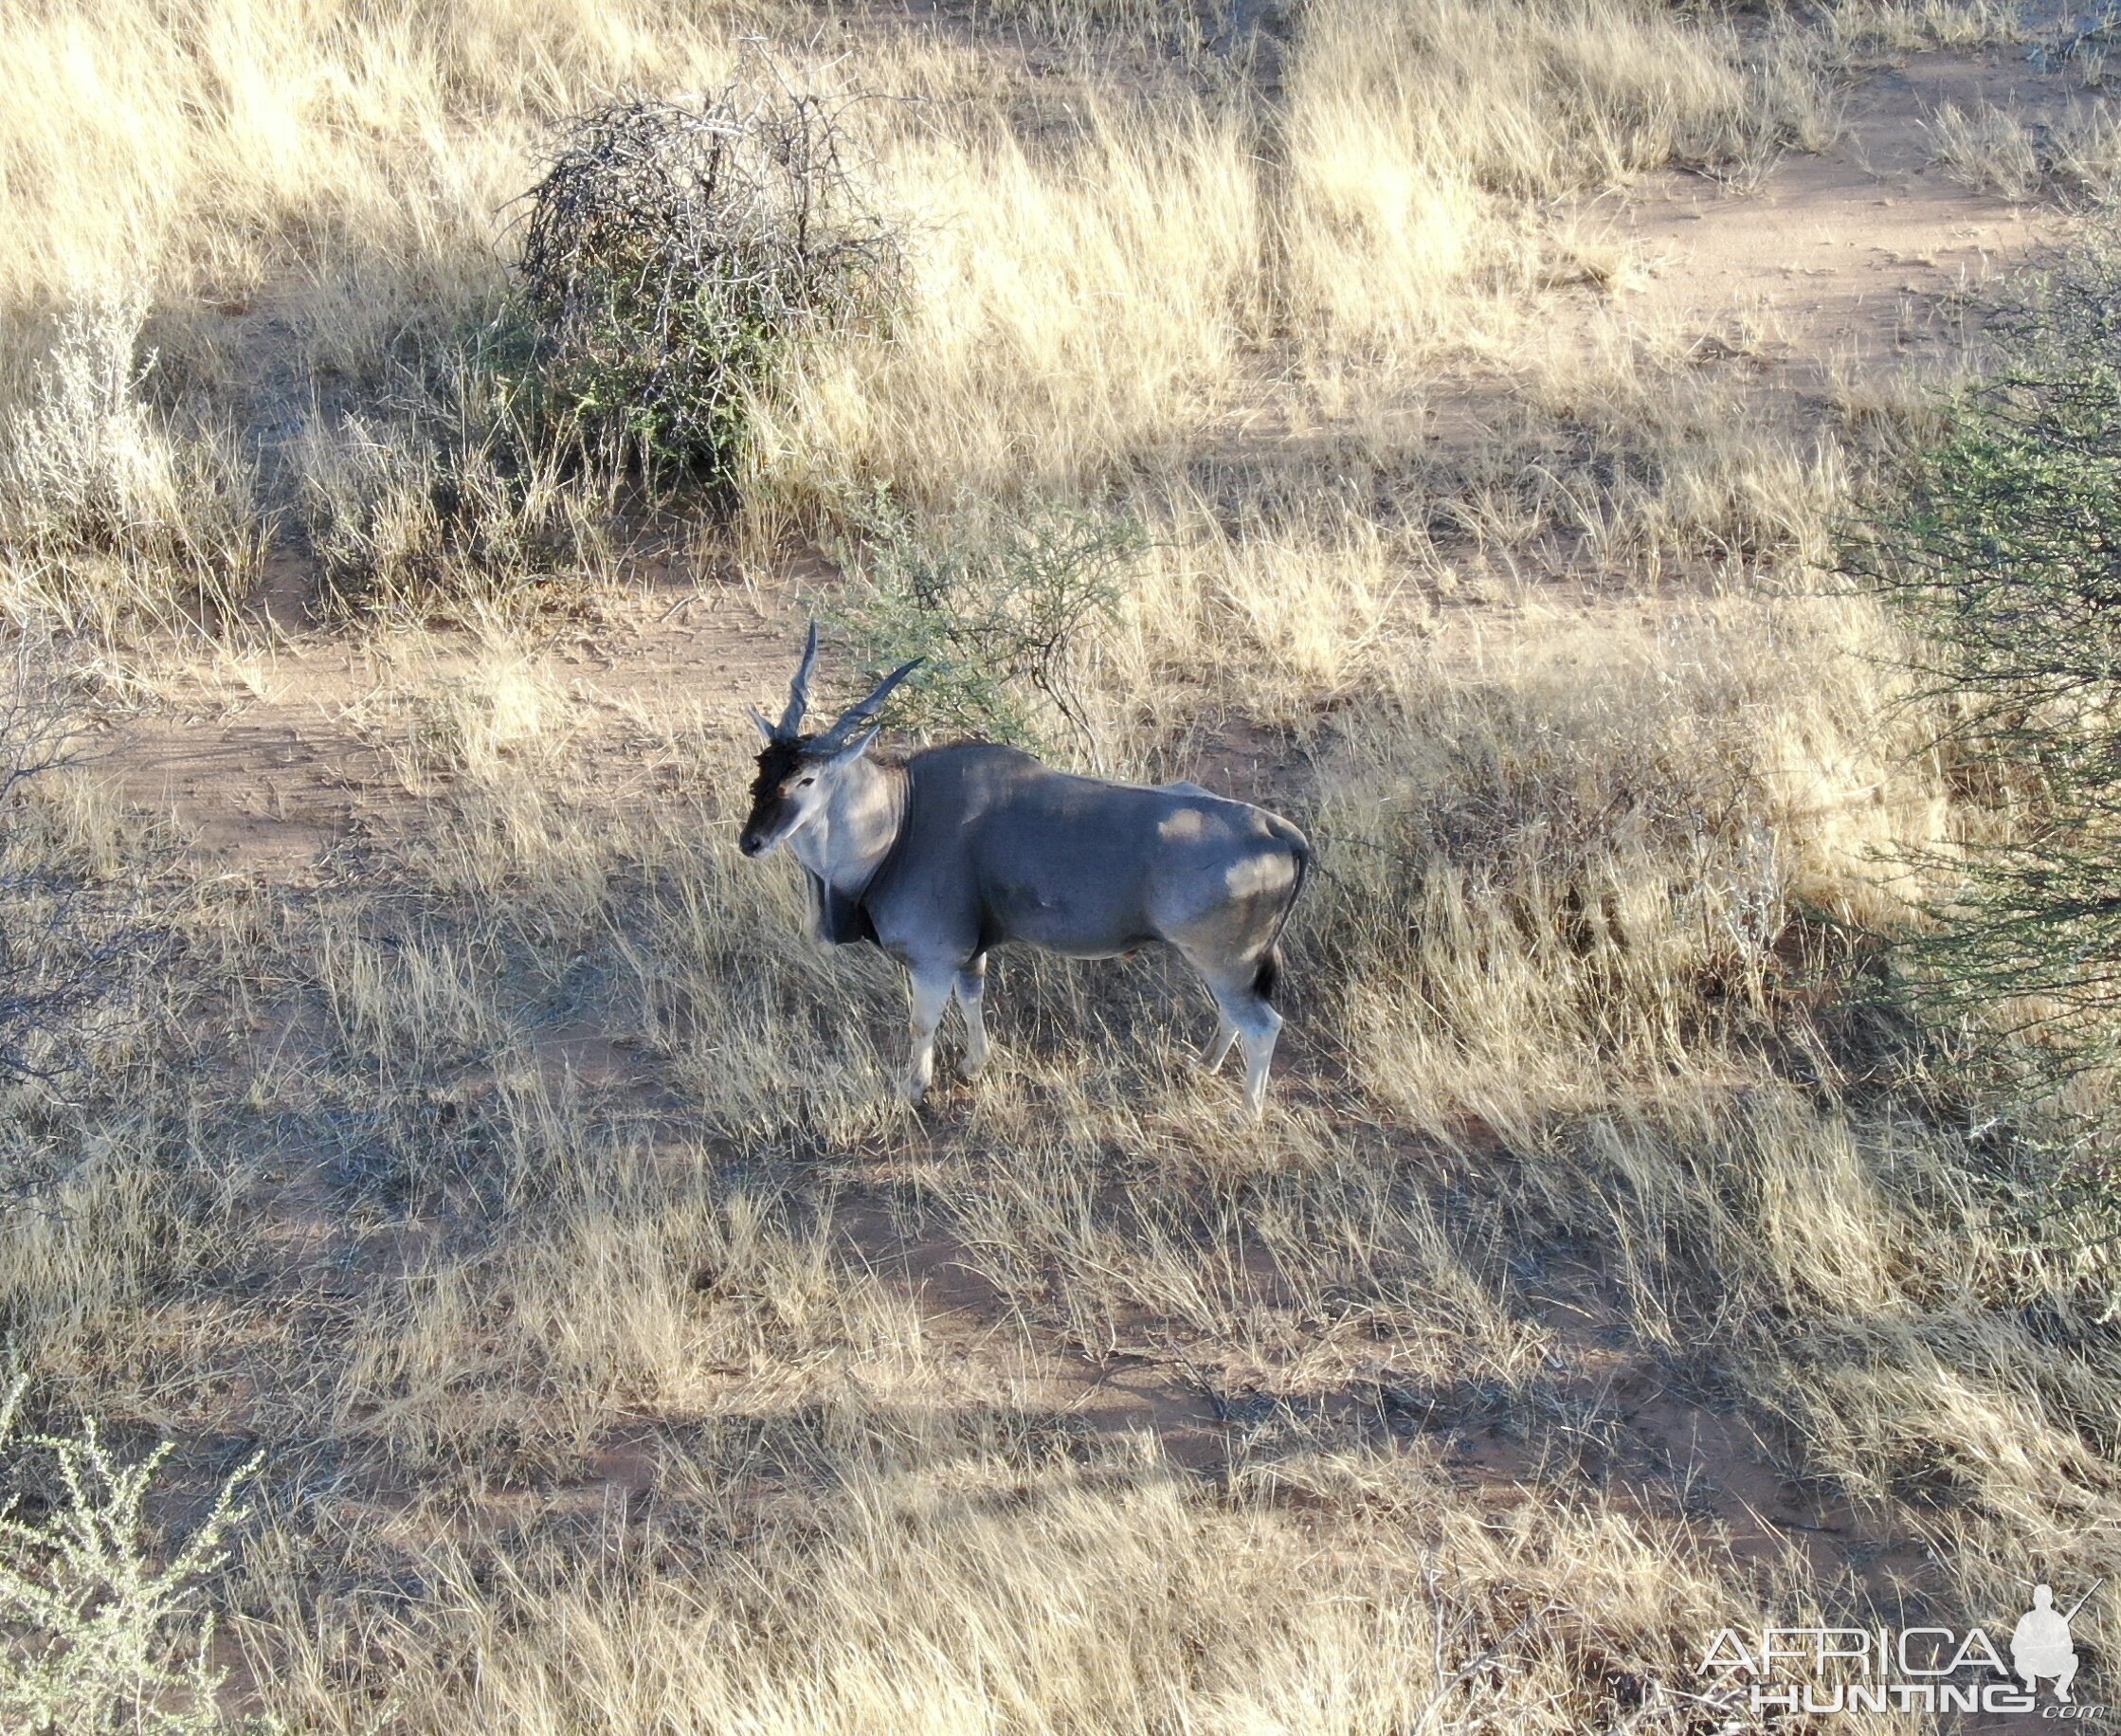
(1283, 397)
(1002, 614)
(74, 946)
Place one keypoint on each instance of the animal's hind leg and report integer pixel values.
(1216, 1050)
(1259, 1035)
(971, 990)
(1246, 1014)
(930, 994)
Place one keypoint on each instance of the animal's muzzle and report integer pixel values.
(751, 843)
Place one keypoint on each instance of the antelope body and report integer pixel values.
(942, 856)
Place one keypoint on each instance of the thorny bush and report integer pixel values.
(676, 250)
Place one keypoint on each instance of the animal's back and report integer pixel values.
(1010, 799)
(1081, 865)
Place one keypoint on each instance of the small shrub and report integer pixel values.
(675, 251)
(1002, 616)
(99, 1637)
(110, 513)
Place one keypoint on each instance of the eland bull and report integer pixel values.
(943, 856)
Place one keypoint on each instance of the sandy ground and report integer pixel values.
(1862, 250)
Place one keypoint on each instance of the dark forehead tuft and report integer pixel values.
(777, 762)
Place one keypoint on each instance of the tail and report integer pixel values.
(1268, 977)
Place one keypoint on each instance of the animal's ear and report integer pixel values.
(855, 750)
(765, 729)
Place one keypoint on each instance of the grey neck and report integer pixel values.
(846, 843)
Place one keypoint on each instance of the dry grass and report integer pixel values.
(1992, 150)
(625, 1356)
(1088, 307)
(1988, 149)
(1864, 28)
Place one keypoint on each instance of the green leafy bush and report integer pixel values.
(2003, 550)
(1004, 615)
(2001, 546)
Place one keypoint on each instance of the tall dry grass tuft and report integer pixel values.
(114, 513)
(448, 496)
(1579, 863)
(1075, 306)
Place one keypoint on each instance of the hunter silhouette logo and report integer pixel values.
(2040, 1644)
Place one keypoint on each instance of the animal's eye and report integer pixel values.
(804, 783)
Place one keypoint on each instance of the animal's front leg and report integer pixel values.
(930, 994)
(972, 991)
